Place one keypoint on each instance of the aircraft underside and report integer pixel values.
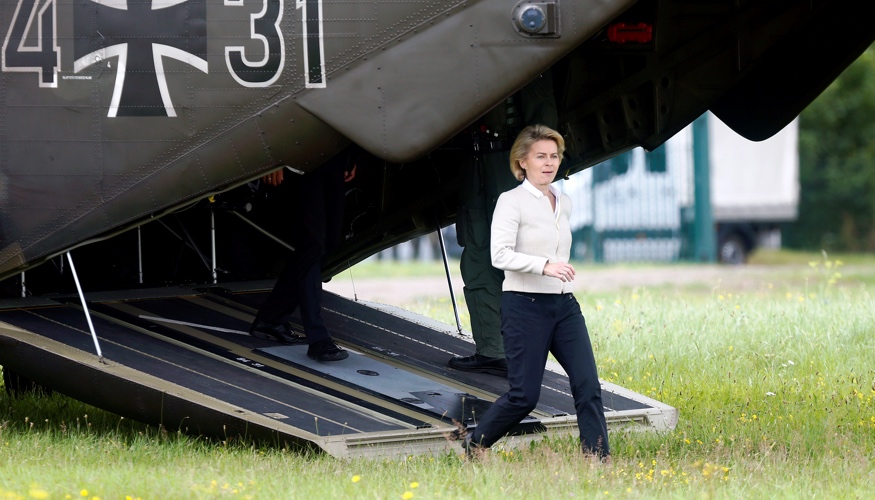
(87, 153)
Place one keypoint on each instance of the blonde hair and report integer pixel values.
(524, 141)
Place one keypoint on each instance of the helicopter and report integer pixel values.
(130, 130)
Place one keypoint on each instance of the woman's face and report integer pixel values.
(542, 162)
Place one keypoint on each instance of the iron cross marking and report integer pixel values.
(140, 34)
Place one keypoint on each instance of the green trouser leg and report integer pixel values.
(484, 307)
(484, 181)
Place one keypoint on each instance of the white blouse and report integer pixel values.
(527, 233)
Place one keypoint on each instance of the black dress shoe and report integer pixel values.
(279, 332)
(472, 450)
(479, 364)
(326, 350)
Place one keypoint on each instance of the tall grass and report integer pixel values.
(775, 387)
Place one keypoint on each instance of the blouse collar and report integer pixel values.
(528, 186)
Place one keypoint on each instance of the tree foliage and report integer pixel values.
(837, 164)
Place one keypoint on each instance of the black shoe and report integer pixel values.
(326, 350)
(472, 450)
(480, 364)
(279, 332)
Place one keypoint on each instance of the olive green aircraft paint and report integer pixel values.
(113, 112)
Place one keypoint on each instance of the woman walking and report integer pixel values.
(531, 242)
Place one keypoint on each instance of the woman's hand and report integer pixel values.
(561, 270)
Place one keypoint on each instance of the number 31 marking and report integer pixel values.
(44, 58)
(265, 26)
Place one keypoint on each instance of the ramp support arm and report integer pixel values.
(449, 278)
(84, 305)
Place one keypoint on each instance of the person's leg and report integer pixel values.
(315, 217)
(489, 355)
(482, 281)
(496, 179)
(283, 298)
(271, 321)
(484, 307)
(483, 298)
(572, 349)
(306, 221)
(309, 288)
(322, 347)
(527, 328)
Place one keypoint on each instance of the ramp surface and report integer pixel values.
(182, 358)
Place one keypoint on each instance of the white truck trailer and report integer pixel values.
(642, 205)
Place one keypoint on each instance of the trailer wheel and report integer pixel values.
(733, 250)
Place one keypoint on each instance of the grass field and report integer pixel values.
(775, 385)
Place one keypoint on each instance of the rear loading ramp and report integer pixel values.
(182, 358)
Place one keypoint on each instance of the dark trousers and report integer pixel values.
(316, 206)
(534, 324)
(299, 284)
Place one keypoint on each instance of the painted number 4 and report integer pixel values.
(31, 44)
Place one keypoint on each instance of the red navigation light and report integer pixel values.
(635, 33)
